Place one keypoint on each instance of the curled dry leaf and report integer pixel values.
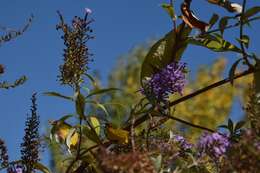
(231, 7)
(190, 19)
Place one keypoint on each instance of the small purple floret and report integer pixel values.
(169, 80)
(214, 145)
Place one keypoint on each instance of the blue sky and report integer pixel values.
(119, 26)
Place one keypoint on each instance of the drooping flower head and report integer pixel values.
(169, 80)
(215, 145)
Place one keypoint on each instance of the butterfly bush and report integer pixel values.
(215, 145)
(169, 80)
(182, 142)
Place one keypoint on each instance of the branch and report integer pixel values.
(182, 121)
(196, 93)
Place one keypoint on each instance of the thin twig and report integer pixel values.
(182, 121)
(196, 93)
(244, 54)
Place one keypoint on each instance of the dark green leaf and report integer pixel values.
(80, 105)
(245, 40)
(213, 20)
(55, 94)
(232, 71)
(222, 24)
(251, 12)
(230, 125)
(239, 125)
(101, 91)
(166, 50)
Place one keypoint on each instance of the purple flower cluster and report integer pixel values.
(181, 142)
(214, 145)
(169, 80)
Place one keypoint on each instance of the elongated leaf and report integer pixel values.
(213, 20)
(102, 91)
(222, 24)
(232, 71)
(99, 105)
(94, 83)
(215, 42)
(95, 123)
(230, 125)
(164, 51)
(41, 168)
(239, 125)
(80, 105)
(90, 134)
(55, 94)
(252, 11)
(245, 40)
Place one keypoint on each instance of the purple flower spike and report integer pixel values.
(181, 141)
(214, 145)
(169, 80)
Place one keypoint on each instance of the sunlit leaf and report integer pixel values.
(116, 134)
(95, 123)
(215, 42)
(72, 138)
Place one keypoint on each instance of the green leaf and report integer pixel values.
(245, 40)
(215, 42)
(69, 136)
(65, 117)
(80, 105)
(169, 9)
(55, 94)
(101, 91)
(99, 105)
(41, 168)
(164, 51)
(222, 24)
(213, 20)
(232, 71)
(90, 134)
(251, 12)
(94, 83)
(95, 123)
(230, 125)
(239, 125)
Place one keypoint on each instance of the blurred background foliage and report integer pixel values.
(209, 109)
